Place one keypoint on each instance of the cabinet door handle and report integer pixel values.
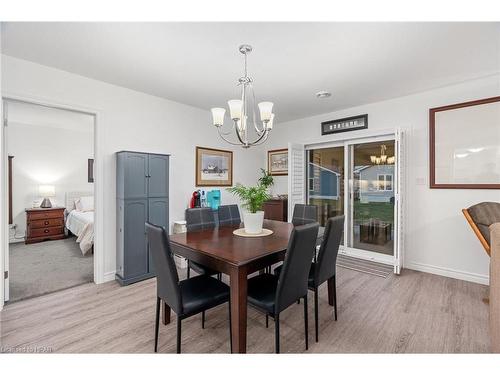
(46, 222)
(46, 231)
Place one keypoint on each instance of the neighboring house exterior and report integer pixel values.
(323, 182)
(376, 183)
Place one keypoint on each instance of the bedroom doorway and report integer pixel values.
(50, 198)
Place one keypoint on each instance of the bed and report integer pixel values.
(80, 223)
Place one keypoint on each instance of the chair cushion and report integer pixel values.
(484, 214)
(201, 269)
(201, 293)
(262, 291)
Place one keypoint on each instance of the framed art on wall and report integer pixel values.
(465, 145)
(277, 162)
(214, 167)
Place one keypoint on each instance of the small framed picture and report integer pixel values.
(277, 162)
(214, 167)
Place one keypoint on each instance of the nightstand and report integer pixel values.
(44, 224)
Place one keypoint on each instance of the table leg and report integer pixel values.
(165, 313)
(238, 285)
(331, 292)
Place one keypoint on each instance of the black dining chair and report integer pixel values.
(324, 267)
(199, 219)
(229, 215)
(305, 214)
(187, 297)
(273, 294)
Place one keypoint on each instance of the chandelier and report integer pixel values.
(383, 158)
(242, 112)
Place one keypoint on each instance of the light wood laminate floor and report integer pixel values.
(414, 312)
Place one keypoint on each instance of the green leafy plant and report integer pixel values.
(266, 180)
(253, 197)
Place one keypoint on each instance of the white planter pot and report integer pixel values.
(253, 222)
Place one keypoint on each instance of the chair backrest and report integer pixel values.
(292, 283)
(304, 214)
(480, 217)
(199, 219)
(329, 249)
(167, 279)
(229, 215)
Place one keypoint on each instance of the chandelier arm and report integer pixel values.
(258, 143)
(226, 133)
(259, 138)
(259, 131)
(227, 140)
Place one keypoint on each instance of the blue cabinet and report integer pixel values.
(142, 195)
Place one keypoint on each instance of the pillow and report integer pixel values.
(78, 205)
(85, 204)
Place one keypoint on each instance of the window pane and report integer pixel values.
(326, 187)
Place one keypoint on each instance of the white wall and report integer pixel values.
(438, 239)
(131, 120)
(47, 155)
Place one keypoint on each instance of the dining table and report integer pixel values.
(237, 257)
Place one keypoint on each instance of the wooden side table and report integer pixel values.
(44, 224)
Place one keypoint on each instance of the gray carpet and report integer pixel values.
(45, 267)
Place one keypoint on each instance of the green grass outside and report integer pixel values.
(374, 210)
(362, 211)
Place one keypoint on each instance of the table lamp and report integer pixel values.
(46, 191)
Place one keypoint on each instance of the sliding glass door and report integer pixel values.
(357, 179)
(372, 196)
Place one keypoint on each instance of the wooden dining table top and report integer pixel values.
(221, 244)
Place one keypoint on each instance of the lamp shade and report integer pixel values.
(266, 109)
(269, 125)
(218, 116)
(47, 191)
(235, 108)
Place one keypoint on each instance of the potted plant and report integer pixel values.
(253, 198)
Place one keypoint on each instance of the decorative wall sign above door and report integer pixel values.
(344, 124)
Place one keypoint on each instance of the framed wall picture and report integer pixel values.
(277, 162)
(214, 167)
(465, 145)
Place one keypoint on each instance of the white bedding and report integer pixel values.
(81, 224)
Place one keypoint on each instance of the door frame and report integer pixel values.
(99, 275)
(346, 141)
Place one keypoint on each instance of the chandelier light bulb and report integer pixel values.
(218, 116)
(269, 124)
(235, 108)
(265, 109)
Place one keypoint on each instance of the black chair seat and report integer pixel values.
(262, 292)
(200, 269)
(202, 293)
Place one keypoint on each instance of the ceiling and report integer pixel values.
(199, 63)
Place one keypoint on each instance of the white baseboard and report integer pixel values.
(448, 272)
(109, 276)
(16, 240)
